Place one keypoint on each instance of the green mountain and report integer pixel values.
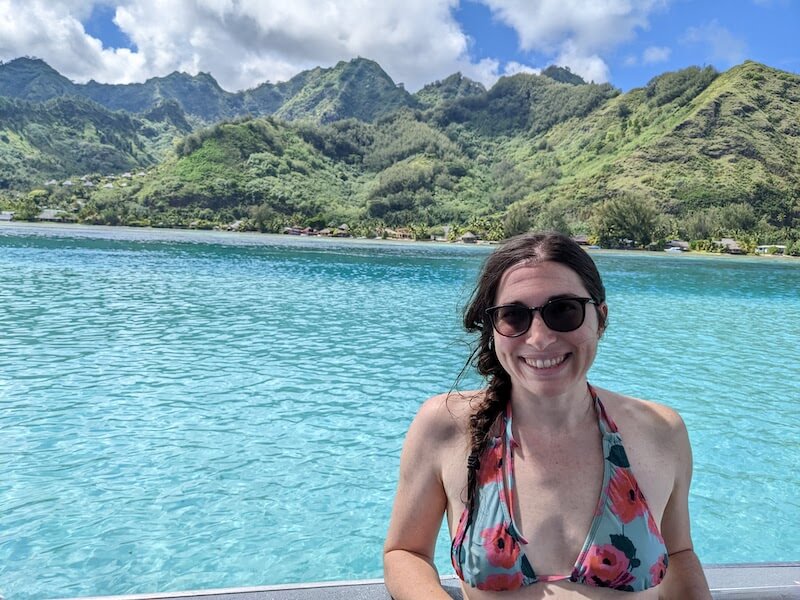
(689, 141)
(693, 154)
(523, 103)
(70, 136)
(199, 96)
(34, 80)
(359, 88)
(449, 89)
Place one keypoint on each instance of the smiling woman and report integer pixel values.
(552, 500)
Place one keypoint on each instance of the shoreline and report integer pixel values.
(216, 235)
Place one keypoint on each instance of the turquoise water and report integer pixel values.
(185, 410)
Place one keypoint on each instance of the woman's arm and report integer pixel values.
(418, 508)
(685, 579)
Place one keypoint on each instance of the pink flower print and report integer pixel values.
(658, 570)
(501, 582)
(501, 549)
(491, 470)
(627, 500)
(606, 566)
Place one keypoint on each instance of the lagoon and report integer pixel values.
(183, 410)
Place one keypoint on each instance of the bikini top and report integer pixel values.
(623, 550)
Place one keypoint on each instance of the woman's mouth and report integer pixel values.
(545, 363)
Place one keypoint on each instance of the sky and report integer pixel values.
(243, 43)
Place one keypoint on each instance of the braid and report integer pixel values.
(495, 398)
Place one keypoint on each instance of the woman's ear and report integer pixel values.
(603, 313)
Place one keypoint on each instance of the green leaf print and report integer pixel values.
(624, 545)
(618, 457)
(527, 569)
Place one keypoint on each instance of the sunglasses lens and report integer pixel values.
(564, 315)
(512, 320)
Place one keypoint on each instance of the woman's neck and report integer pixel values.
(565, 412)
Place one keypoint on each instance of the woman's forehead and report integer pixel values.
(549, 277)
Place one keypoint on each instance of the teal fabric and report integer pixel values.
(623, 550)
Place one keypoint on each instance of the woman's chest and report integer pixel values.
(556, 488)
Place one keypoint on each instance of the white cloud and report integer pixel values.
(244, 42)
(513, 67)
(576, 32)
(590, 67)
(656, 54)
(723, 46)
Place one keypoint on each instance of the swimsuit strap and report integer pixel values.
(607, 424)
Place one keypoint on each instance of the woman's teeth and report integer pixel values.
(546, 363)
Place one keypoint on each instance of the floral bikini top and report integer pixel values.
(624, 549)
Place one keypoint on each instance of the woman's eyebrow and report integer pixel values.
(549, 299)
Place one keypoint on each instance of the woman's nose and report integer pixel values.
(539, 335)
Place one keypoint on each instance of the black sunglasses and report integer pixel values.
(559, 314)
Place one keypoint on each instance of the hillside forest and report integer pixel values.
(694, 155)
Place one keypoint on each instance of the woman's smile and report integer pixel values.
(543, 362)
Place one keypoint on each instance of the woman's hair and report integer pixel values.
(531, 249)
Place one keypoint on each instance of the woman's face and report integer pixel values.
(542, 362)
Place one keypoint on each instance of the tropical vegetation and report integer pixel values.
(694, 155)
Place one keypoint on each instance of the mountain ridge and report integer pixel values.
(695, 149)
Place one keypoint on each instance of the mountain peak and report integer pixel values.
(450, 88)
(33, 79)
(563, 75)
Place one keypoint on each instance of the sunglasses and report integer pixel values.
(559, 314)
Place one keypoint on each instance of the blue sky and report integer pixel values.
(247, 42)
(681, 33)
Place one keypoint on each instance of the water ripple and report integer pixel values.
(186, 410)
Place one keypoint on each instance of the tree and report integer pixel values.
(262, 216)
(516, 221)
(551, 218)
(31, 205)
(737, 217)
(625, 218)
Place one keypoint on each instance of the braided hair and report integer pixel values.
(529, 249)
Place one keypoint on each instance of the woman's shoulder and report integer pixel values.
(657, 421)
(446, 416)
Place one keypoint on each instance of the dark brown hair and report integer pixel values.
(532, 248)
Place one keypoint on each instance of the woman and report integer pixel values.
(552, 488)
